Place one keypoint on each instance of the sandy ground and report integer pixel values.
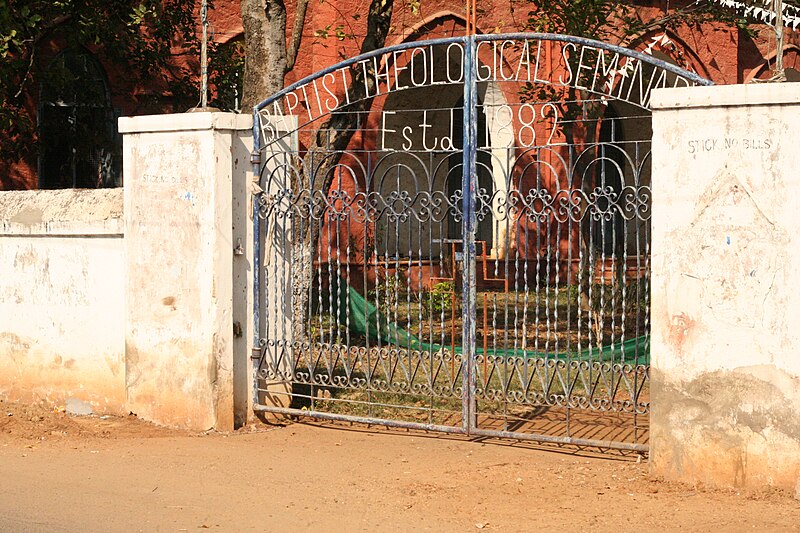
(62, 473)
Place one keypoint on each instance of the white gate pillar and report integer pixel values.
(188, 302)
(725, 297)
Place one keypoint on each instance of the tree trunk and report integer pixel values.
(574, 110)
(324, 153)
(265, 65)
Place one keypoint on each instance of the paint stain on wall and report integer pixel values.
(169, 301)
(680, 329)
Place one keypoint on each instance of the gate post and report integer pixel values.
(272, 160)
(186, 256)
(726, 259)
(469, 185)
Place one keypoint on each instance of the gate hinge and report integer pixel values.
(255, 157)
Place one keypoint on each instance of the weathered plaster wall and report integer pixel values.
(726, 257)
(62, 297)
(179, 260)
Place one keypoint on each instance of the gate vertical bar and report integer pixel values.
(255, 160)
(468, 187)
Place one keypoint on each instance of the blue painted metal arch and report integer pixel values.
(472, 41)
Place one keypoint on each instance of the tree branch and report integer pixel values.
(297, 33)
(31, 52)
(663, 21)
(27, 73)
(335, 134)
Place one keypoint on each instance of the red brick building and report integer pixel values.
(86, 112)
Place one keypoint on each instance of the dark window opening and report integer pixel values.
(485, 194)
(225, 75)
(608, 233)
(79, 146)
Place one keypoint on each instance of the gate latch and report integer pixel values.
(239, 249)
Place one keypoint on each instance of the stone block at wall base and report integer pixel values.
(736, 428)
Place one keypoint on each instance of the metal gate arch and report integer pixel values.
(349, 328)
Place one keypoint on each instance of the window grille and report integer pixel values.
(79, 146)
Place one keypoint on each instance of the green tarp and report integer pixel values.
(365, 319)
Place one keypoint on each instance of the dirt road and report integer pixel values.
(61, 473)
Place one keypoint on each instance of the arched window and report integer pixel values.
(608, 233)
(78, 142)
(483, 203)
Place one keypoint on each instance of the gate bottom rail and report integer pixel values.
(455, 430)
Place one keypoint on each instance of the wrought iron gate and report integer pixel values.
(453, 235)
